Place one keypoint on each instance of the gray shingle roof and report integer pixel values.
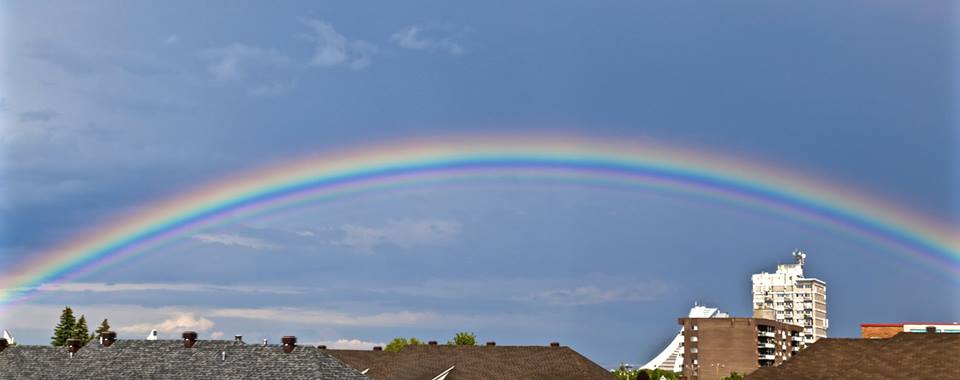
(168, 359)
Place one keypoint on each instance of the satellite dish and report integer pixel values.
(154, 334)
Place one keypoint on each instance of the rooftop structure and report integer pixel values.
(912, 356)
(794, 299)
(888, 330)
(671, 357)
(715, 347)
(171, 359)
(487, 362)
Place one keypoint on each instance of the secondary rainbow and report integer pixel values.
(427, 161)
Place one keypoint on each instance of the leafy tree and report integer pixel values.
(80, 330)
(733, 376)
(464, 338)
(624, 373)
(399, 343)
(65, 328)
(104, 327)
(644, 375)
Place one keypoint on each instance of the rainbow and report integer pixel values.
(549, 158)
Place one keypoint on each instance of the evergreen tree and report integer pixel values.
(104, 327)
(81, 331)
(64, 329)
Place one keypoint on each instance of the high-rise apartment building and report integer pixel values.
(793, 298)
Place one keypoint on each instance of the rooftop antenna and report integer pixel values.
(799, 256)
(154, 335)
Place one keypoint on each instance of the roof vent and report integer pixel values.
(3, 344)
(107, 338)
(377, 348)
(189, 339)
(554, 344)
(491, 343)
(432, 343)
(931, 329)
(73, 345)
(238, 338)
(264, 342)
(321, 347)
(289, 343)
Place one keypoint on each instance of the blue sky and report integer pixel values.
(106, 107)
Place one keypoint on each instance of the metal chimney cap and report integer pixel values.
(432, 343)
(554, 344)
(73, 345)
(377, 348)
(491, 343)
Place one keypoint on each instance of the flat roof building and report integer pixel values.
(715, 347)
(888, 330)
(795, 299)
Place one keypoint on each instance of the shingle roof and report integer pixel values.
(474, 363)
(168, 359)
(906, 355)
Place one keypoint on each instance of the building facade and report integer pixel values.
(715, 347)
(795, 299)
(671, 357)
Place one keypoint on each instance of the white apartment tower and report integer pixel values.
(793, 298)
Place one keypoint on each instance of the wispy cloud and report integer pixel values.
(333, 49)
(593, 294)
(37, 115)
(171, 39)
(327, 317)
(100, 287)
(234, 240)
(414, 37)
(403, 233)
(234, 61)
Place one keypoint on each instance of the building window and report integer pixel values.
(695, 328)
(693, 350)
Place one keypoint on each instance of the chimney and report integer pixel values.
(491, 343)
(238, 339)
(931, 329)
(432, 343)
(107, 338)
(554, 344)
(321, 347)
(289, 343)
(3, 344)
(377, 348)
(73, 345)
(189, 339)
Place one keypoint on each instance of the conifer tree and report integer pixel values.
(104, 327)
(64, 329)
(81, 331)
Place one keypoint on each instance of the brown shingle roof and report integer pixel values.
(906, 355)
(474, 363)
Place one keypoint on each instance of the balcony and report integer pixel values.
(766, 357)
(766, 345)
(770, 334)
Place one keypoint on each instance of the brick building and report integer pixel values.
(888, 330)
(715, 347)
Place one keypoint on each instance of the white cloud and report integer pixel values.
(592, 294)
(216, 335)
(412, 37)
(403, 233)
(100, 287)
(171, 39)
(348, 344)
(176, 323)
(234, 61)
(269, 89)
(334, 49)
(234, 239)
